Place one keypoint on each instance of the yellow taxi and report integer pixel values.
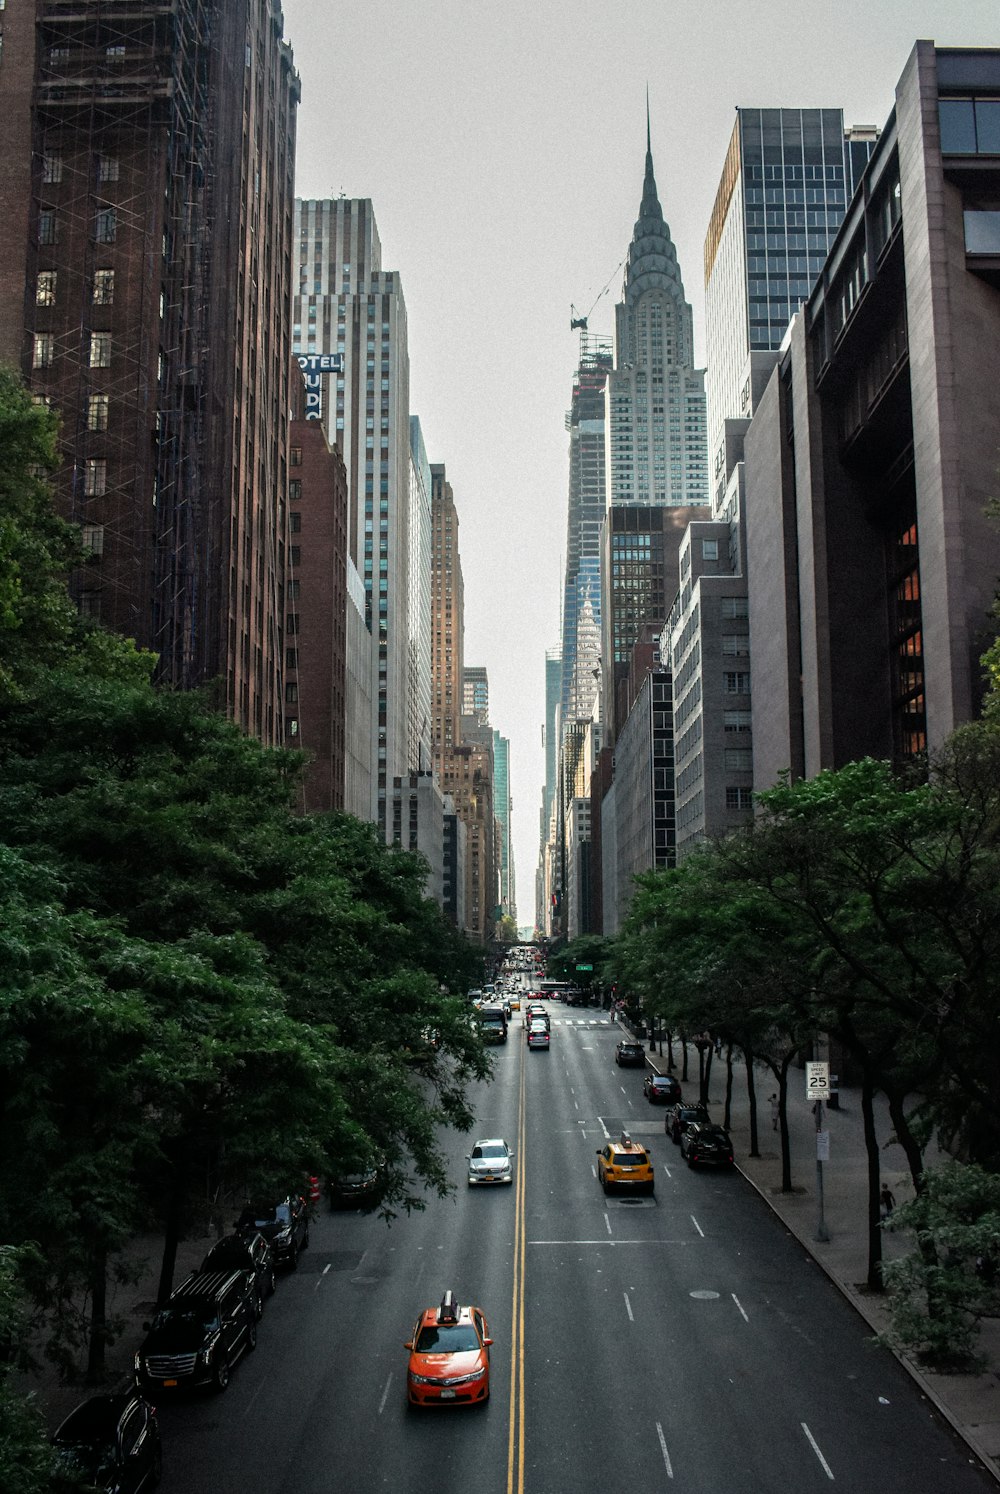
(449, 1356)
(624, 1164)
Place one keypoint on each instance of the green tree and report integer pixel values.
(26, 1462)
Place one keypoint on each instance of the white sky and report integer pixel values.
(503, 146)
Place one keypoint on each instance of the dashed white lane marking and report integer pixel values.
(813, 1444)
(603, 1127)
(385, 1396)
(607, 1223)
(326, 1269)
(697, 1226)
(628, 1307)
(739, 1304)
(663, 1450)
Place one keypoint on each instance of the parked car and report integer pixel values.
(111, 1443)
(360, 1188)
(208, 1324)
(705, 1144)
(630, 1054)
(248, 1252)
(284, 1225)
(661, 1089)
(681, 1115)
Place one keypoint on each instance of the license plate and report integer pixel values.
(447, 1395)
(170, 1382)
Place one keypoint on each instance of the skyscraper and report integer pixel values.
(347, 304)
(655, 397)
(145, 292)
(787, 179)
(447, 621)
(476, 693)
(581, 624)
(418, 591)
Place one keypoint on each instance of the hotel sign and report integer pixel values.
(314, 366)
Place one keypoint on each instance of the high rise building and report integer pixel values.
(476, 693)
(787, 179)
(502, 799)
(347, 304)
(418, 591)
(872, 455)
(447, 621)
(581, 623)
(148, 154)
(656, 453)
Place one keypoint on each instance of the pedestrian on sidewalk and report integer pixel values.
(775, 1112)
(887, 1200)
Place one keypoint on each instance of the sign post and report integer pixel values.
(818, 1090)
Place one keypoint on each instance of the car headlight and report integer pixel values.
(419, 1379)
(138, 1364)
(205, 1357)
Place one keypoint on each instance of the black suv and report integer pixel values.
(247, 1252)
(702, 1142)
(110, 1443)
(284, 1225)
(681, 1115)
(630, 1054)
(197, 1338)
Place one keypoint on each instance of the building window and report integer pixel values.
(291, 693)
(105, 225)
(736, 683)
(295, 456)
(97, 412)
(737, 721)
(710, 549)
(293, 590)
(735, 607)
(45, 288)
(739, 759)
(104, 287)
(115, 53)
(294, 522)
(100, 349)
(295, 488)
(739, 798)
(291, 658)
(44, 351)
(52, 169)
(95, 477)
(92, 538)
(107, 168)
(735, 643)
(47, 231)
(292, 624)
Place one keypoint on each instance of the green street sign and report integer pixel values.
(585, 967)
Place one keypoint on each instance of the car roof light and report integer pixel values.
(448, 1311)
(626, 1139)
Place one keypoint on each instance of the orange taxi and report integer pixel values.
(449, 1356)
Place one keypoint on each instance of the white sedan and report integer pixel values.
(490, 1162)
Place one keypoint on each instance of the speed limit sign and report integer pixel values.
(817, 1081)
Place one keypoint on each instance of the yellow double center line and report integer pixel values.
(515, 1443)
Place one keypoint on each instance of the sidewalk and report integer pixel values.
(971, 1403)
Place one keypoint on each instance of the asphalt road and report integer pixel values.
(683, 1343)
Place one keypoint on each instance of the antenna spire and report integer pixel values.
(649, 147)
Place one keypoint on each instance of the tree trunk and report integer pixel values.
(906, 1138)
(727, 1115)
(786, 1151)
(871, 1147)
(708, 1075)
(171, 1236)
(670, 1052)
(98, 1328)
(752, 1098)
(684, 1061)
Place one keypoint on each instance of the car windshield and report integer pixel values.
(197, 1315)
(661, 1083)
(629, 1159)
(630, 1048)
(494, 1150)
(447, 1338)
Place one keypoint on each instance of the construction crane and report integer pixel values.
(581, 321)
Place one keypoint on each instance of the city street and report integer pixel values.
(684, 1342)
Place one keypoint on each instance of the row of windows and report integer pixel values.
(53, 167)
